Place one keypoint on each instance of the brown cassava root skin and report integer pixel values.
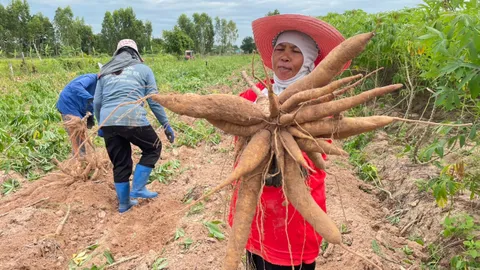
(330, 66)
(320, 146)
(307, 95)
(347, 126)
(223, 107)
(242, 220)
(292, 148)
(241, 141)
(315, 112)
(297, 133)
(298, 195)
(256, 150)
(317, 160)
(263, 104)
(279, 152)
(332, 96)
(274, 104)
(237, 130)
(252, 156)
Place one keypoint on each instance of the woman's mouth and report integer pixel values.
(284, 68)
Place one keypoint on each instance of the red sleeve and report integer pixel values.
(250, 95)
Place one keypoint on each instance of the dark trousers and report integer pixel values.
(255, 262)
(118, 139)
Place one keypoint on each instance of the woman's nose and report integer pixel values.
(285, 57)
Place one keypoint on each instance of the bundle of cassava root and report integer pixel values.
(86, 162)
(299, 119)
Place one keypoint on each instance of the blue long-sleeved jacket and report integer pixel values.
(77, 96)
(133, 83)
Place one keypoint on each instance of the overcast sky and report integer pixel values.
(164, 13)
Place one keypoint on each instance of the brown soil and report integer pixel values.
(416, 213)
(27, 239)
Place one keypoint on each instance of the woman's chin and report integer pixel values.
(284, 75)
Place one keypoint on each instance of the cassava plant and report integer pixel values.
(299, 119)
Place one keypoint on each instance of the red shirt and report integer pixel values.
(273, 245)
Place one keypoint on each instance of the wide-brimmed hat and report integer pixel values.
(267, 29)
(128, 43)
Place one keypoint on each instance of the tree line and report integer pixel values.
(66, 34)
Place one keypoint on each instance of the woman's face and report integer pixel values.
(287, 60)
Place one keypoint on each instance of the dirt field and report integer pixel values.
(151, 233)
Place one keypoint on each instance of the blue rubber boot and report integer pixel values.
(140, 179)
(123, 195)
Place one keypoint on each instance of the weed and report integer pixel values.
(187, 243)
(407, 250)
(165, 171)
(376, 248)
(190, 136)
(10, 186)
(324, 245)
(160, 263)
(463, 227)
(395, 219)
(354, 146)
(344, 229)
(214, 230)
(196, 209)
(178, 234)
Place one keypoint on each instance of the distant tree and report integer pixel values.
(97, 43)
(232, 33)
(271, 13)
(186, 25)
(158, 45)
(15, 20)
(3, 30)
(248, 45)
(204, 33)
(148, 35)
(109, 35)
(221, 33)
(85, 33)
(226, 33)
(41, 33)
(65, 31)
(177, 41)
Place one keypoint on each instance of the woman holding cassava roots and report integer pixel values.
(290, 45)
(278, 210)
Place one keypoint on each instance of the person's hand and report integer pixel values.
(169, 132)
(100, 133)
(90, 122)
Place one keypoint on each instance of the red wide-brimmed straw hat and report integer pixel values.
(267, 29)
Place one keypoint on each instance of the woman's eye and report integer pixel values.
(279, 49)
